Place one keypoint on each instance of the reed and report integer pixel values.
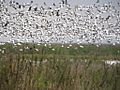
(58, 69)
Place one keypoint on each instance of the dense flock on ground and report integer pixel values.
(59, 23)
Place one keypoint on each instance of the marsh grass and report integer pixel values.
(59, 69)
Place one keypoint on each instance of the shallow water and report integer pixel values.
(112, 62)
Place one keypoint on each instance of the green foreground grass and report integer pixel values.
(52, 67)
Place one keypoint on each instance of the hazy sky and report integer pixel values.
(71, 2)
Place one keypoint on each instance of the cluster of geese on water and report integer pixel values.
(63, 23)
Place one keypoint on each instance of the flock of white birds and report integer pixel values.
(94, 24)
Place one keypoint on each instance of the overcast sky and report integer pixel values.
(71, 2)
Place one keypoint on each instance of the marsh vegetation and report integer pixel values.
(58, 67)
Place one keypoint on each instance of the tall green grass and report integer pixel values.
(59, 69)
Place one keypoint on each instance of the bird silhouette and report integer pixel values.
(54, 4)
(29, 9)
(35, 9)
(97, 1)
(107, 17)
(6, 24)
